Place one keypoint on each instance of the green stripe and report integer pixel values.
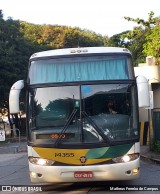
(108, 152)
(96, 153)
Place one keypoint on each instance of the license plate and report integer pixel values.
(83, 174)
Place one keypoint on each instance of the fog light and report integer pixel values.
(135, 170)
(33, 174)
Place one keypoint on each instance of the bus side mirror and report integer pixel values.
(143, 91)
(14, 96)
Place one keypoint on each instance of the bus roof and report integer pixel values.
(83, 50)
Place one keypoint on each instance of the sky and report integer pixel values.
(105, 17)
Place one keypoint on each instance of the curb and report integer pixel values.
(153, 160)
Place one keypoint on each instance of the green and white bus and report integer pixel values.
(72, 133)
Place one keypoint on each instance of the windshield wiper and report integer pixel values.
(65, 127)
(100, 132)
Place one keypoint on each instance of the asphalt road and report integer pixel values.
(14, 171)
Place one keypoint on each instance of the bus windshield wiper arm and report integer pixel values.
(100, 132)
(65, 126)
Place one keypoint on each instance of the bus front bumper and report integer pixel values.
(118, 171)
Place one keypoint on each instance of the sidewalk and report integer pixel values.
(14, 147)
(148, 155)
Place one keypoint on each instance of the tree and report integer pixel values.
(149, 24)
(15, 51)
(137, 37)
(152, 46)
(1, 15)
(54, 36)
(118, 40)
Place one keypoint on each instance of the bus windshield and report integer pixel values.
(83, 114)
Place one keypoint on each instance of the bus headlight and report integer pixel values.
(126, 158)
(40, 161)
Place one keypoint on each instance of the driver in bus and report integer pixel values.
(111, 108)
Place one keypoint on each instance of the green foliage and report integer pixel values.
(150, 23)
(135, 43)
(138, 37)
(155, 146)
(118, 40)
(55, 37)
(152, 45)
(1, 15)
(15, 51)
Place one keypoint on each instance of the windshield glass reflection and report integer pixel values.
(87, 113)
